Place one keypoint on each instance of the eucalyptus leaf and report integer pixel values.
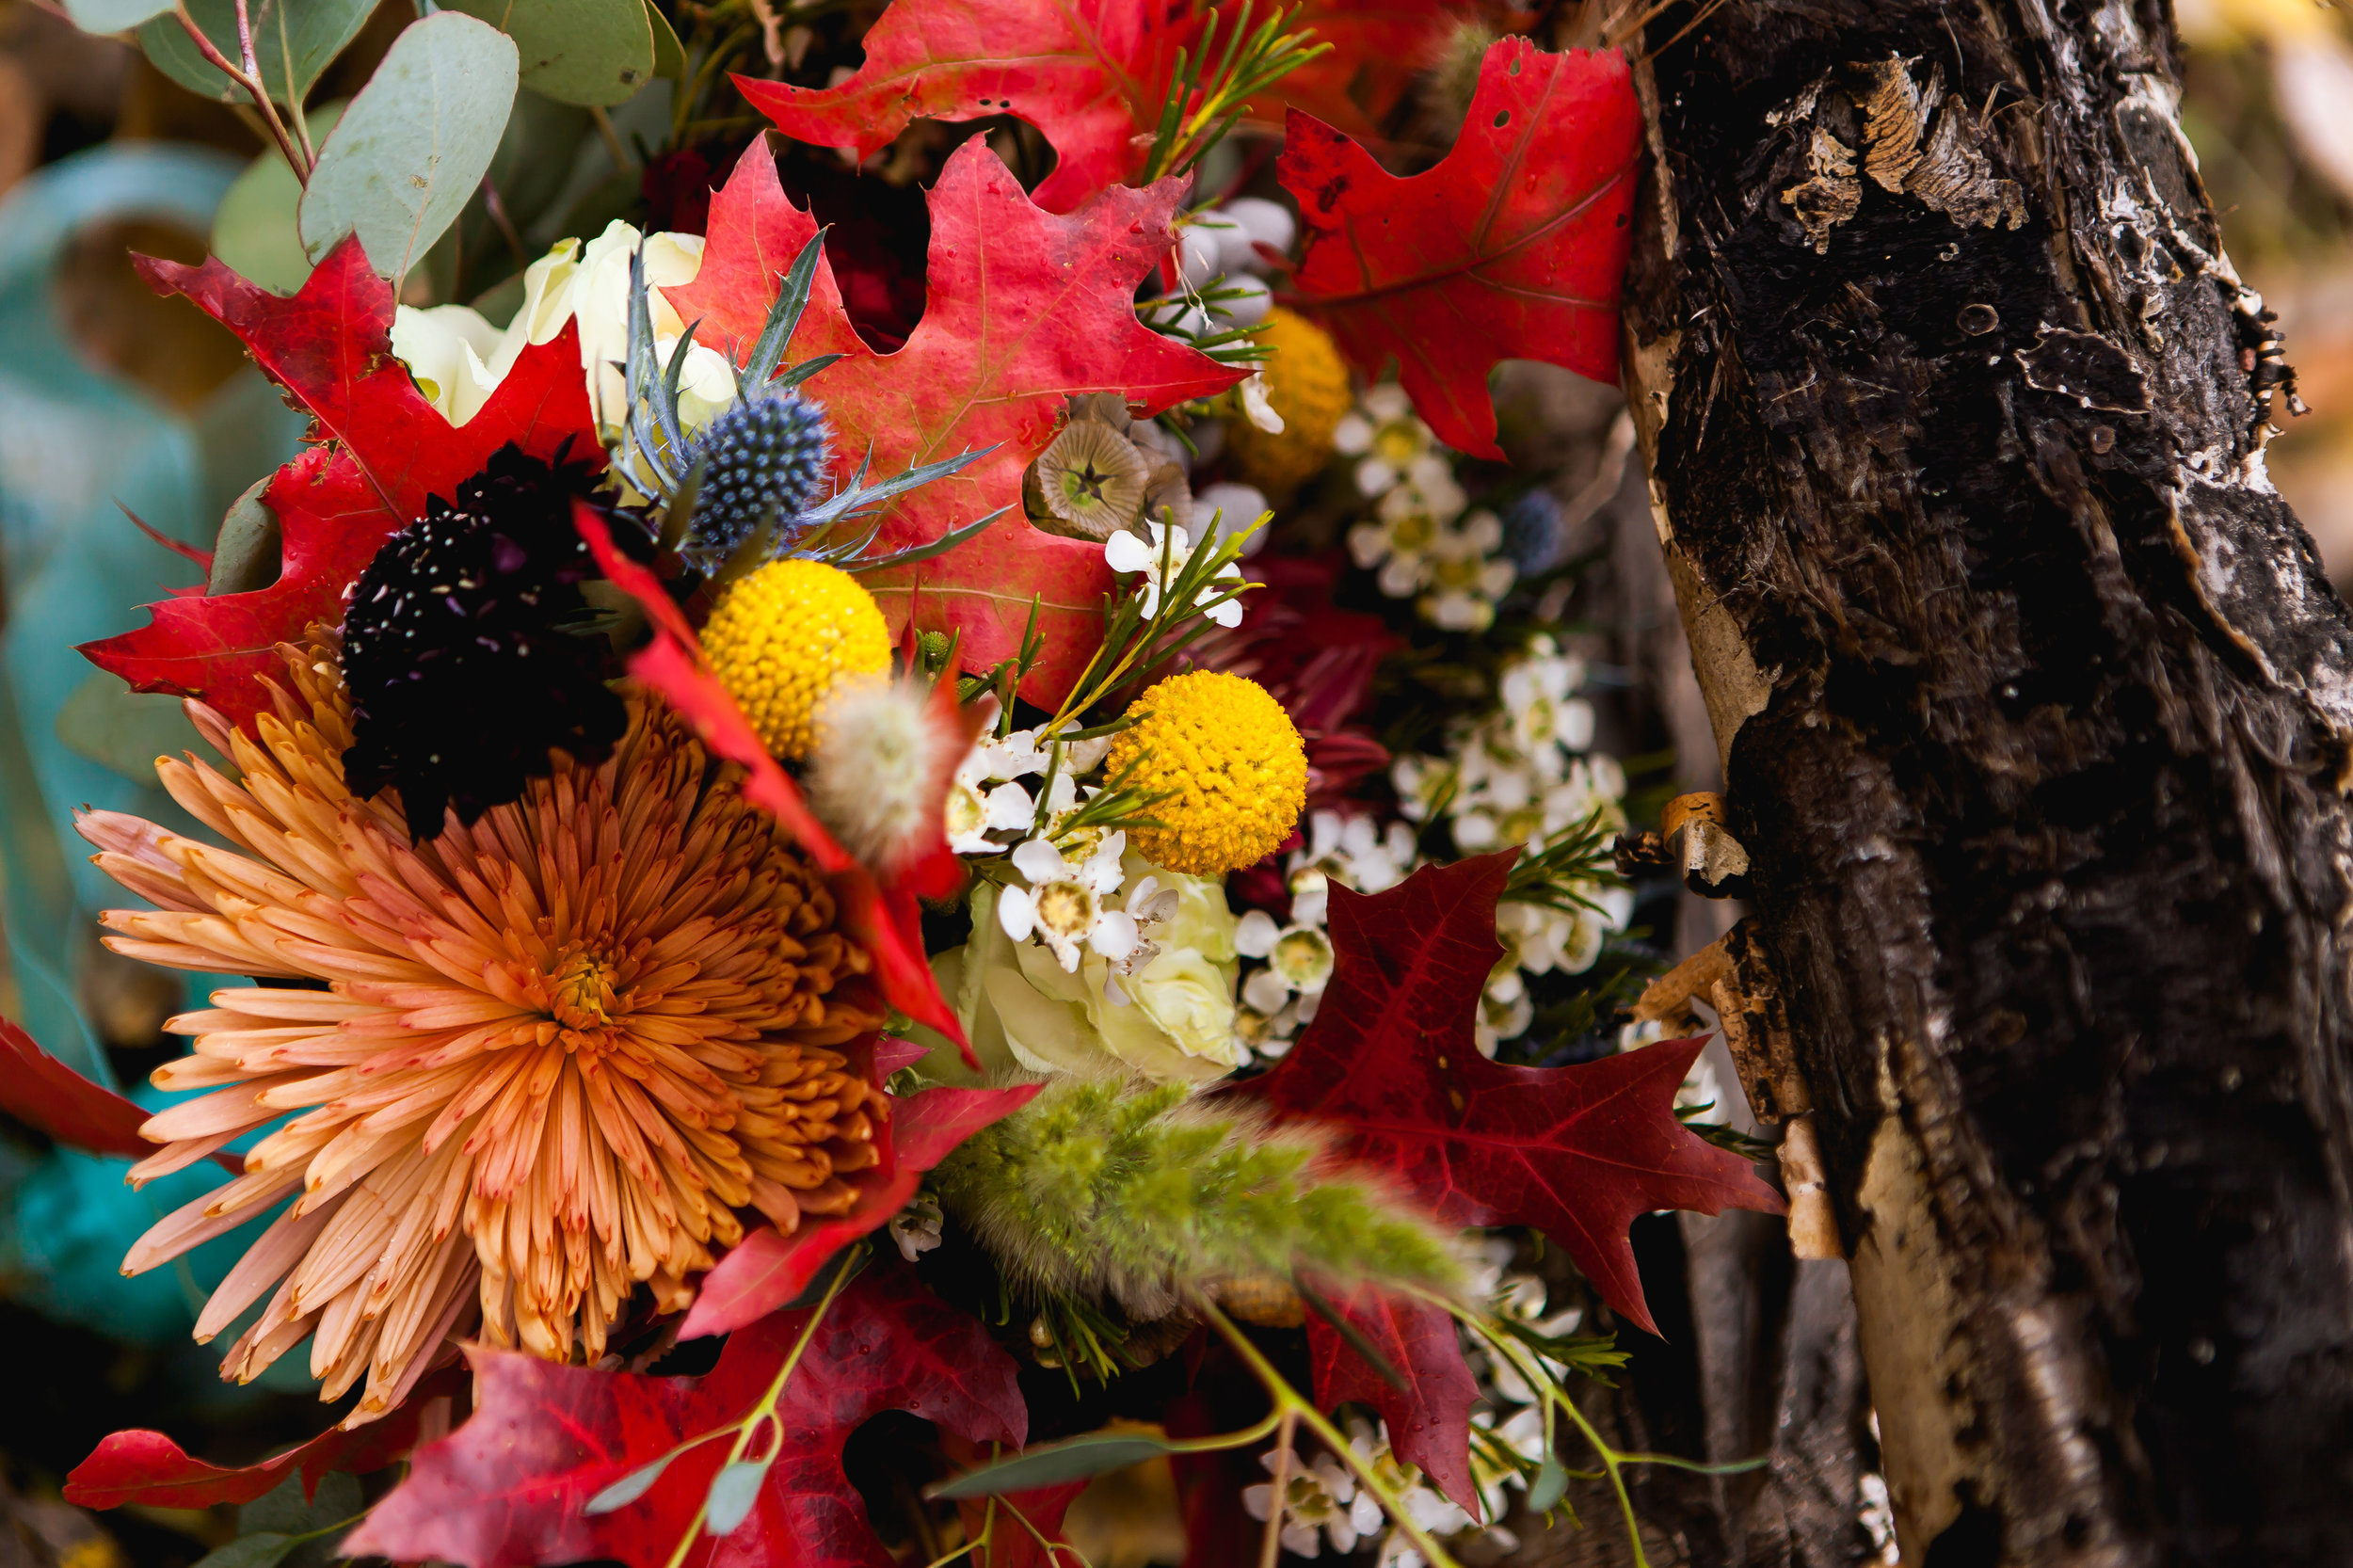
(1550, 1485)
(594, 52)
(412, 148)
(256, 230)
(263, 1549)
(669, 54)
(629, 1488)
(733, 1491)
(113, 16)
(248, 552)
(121, 730)
(1051, 1464)
(294, 43)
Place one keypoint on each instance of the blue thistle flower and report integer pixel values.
(1531, 532)
(764, 457)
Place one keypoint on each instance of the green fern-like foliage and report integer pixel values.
(1136, 1191)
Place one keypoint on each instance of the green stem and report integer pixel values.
(765, 1411)
(1287, 1398)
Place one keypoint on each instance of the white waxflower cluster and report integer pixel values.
(989, 807)
(1419, 538)
(1520, 776)
(1320, 1499)
(1281, 998)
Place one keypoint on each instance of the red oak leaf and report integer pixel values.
(1378, 47)
(1090, 74)
(1513, 247)
(1576, 1152)
(148, 1469)
(49, 1096)
(330, 347)
(508, 1489)
(767, 1268)
(1025, 309)
(886, 922)
(1429, 1418)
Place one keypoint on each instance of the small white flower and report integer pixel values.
(1385, 434)
(1062, 905)
(1161, 561)
(1464, 573)
(1299, 960)
(1498, 1022)
(916, 1228)
(1256, 407)
(1406, 530)
(1318, 1501)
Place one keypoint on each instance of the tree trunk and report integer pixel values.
(2036, 712)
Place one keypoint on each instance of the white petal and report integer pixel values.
(1010, 808)
(1311, 905)
(1124, 552)
(1040, 861)
(1016, 911)
(1114, 935)
(1227, 615)
(1255, 934)
(1265, 991)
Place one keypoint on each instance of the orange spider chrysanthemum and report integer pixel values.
(553, 1054)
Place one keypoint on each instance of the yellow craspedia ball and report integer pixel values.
(1306, 382)
(784, 637)
(1229, 761)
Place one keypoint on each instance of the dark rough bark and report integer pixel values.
(2035, 707)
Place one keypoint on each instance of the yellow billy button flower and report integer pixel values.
(785, 638)
(1306, 383)
(1229, 762)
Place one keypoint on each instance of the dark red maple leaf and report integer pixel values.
(1513, 247)
(148, 1468)
(330, 347)
(1576, 1152)
(1090, 74)
(767, 1268)
(49, 1096)
(508, 1488)
(1429, 1418)
(1025, 309)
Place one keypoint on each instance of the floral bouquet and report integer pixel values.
(1034, 870)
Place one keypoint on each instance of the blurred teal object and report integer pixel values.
(78, 445)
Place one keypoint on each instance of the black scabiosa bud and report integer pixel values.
(467, 650)
(765, 457)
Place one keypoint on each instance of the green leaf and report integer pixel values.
(629, 1488)
(285, 1508)
(113, 16)
(414, 145)
(1550, 1485)
(121, 730)
(256, 229)
(669, 54)
(266, 1549)
(1051, 1464)
(596, 51)
(294, 43)
(733, 1491)
(248, 550)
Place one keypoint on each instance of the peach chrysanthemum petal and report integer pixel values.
(522, 1069)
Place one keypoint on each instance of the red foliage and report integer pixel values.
(1430, 1418)
(1010, 1544)
(1513, 247)
(508, 1488)
(49, 1096)
(1090, 73)
(148, 1469)
(1576, 1152)
(330, 346)
(1378, 46)
(1025, 309)
(768, 1268)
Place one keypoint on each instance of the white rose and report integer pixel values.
(447, 348)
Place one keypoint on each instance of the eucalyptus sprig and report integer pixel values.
(1205, 99)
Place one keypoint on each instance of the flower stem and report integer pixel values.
(1288, 1398)
(1279, 1496)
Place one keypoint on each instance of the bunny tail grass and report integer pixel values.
(1134, 1190)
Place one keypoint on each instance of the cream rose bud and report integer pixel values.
(1191, 1001)
(448, 349)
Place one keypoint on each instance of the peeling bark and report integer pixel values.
(2036, 711)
